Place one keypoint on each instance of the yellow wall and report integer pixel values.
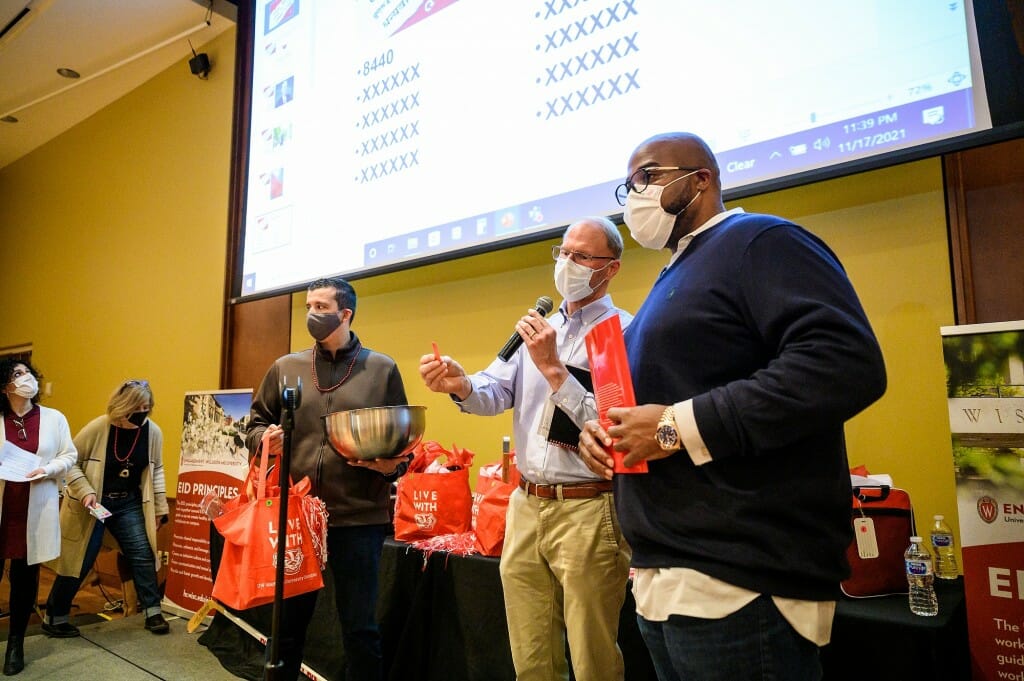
(114, 240)
(113, 263)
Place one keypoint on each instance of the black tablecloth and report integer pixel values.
(432, 612)
(442, 618)
(880, 639)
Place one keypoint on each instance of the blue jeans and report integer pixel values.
(128, 525)
(755, 643)
(353, 554)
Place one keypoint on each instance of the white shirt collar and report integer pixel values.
(714, 220)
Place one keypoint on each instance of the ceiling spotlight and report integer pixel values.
(69, 73)
(9, 119)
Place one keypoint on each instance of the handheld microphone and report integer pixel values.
(543, 306)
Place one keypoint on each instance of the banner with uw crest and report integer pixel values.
(213, 464)
(985, 389)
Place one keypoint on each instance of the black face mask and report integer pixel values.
(138, 418)
(322, 324)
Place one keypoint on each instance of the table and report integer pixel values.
(442, 618)
(881, 640)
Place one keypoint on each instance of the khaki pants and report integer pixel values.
(564, 568)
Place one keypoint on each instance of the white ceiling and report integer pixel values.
(89, 36)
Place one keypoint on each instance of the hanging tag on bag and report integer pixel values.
(891, 513)
(867, 542)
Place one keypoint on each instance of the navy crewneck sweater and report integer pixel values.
(757, 323)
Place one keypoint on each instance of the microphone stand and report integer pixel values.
(290, 399)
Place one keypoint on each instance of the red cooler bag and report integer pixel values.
(883, 522)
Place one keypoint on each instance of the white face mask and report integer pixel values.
(26, 386)
(649, 224)
(572, 280)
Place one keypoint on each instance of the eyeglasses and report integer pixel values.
(127, 384)
(639, 180)
(558, 253)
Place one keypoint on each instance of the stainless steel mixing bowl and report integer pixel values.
(376, 432)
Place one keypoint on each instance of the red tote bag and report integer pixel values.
(490, 506)
(437, 501)
(249, 525)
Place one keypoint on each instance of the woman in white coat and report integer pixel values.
(29, 525)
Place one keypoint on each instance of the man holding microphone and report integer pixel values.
(564, 564)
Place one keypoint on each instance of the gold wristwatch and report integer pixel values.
(667, 434)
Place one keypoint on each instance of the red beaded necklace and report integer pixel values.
(351, 365)
(138, 432)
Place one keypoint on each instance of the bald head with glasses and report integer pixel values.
(672, 187)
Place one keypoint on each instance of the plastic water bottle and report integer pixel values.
(944, 549)
(920, 578)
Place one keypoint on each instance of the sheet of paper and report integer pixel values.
(15, 463)
(871, 480)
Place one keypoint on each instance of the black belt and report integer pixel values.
(568, 490)
(118, 495)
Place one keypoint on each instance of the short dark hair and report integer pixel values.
(7, 365)
(343, 293)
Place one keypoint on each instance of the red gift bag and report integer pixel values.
(434, 499)
(249, 525)
(490, 506)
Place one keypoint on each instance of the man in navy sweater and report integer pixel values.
(747, 357)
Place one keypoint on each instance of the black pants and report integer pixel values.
(24, 579)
